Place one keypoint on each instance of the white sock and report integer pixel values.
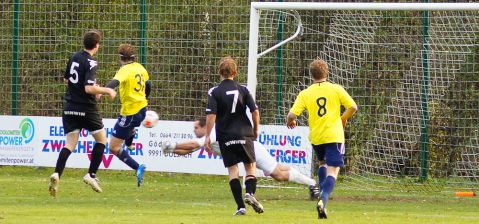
(297, 177)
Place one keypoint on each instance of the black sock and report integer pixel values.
(62, 160)
(130, 138)
(96, 156)
(237, 192)
(250, 184)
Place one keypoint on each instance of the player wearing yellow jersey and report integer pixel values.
(134, 87)
(323, 101)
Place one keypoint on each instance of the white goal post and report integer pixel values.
(411, 67)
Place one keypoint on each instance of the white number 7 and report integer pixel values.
(235, 99)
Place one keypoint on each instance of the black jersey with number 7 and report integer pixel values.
(228, 101)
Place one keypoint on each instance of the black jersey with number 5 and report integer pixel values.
(228, 101)
(80, 72)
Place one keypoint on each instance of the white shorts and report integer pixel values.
(264, 161)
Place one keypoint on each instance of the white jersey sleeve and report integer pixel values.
(264, 161)
(215, 147)
(200, 141)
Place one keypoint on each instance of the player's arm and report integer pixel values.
(190, 145)
(255, 118)
(253, 108)
(348, 102)
(90, 82)
(210, 118)
(180, 148)
(94, 90)
(113, 84)
(348, 114)
(296, 110)
(147, 88)
(66, 74)
(210, 122)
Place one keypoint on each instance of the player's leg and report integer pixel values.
(287, 173)
(93, 123)
(250, 180)
(230, 160)
(123, 154)
(320, 153)
(247, 155)
(322, 172)
(96, 157)
(334, 159)
(71, 126)
(236, 189)
(122, 130)
(129, 140)
(250, 184)
(326, 190)
(65, 152)
(97, 152)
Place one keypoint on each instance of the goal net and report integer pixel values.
(411, 68)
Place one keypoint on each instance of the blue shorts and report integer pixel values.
(126, 124)
(333, 153)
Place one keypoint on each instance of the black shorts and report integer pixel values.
(236, 151)
(76, 117)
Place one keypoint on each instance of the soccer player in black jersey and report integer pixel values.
(81, 111)
(227, 103)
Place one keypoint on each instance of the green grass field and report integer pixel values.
(184, 198)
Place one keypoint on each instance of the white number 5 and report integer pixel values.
(235, 99)
(74, 74)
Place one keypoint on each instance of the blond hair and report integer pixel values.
(318, 69)
(227, 67)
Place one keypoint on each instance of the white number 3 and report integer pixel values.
(235, 99)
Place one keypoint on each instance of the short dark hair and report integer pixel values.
(126, 52)
(91, 38)
(202, 121)
(318, 69)
(227, 67)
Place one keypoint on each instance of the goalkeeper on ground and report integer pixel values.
(264, 161)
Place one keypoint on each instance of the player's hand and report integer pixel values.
(208, 144)
(168, 147)
(291, 124)
(111, 93)
(345, 121)
(256, 133)
(98, 96)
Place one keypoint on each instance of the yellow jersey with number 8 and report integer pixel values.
(323, 102)
(132, 78)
